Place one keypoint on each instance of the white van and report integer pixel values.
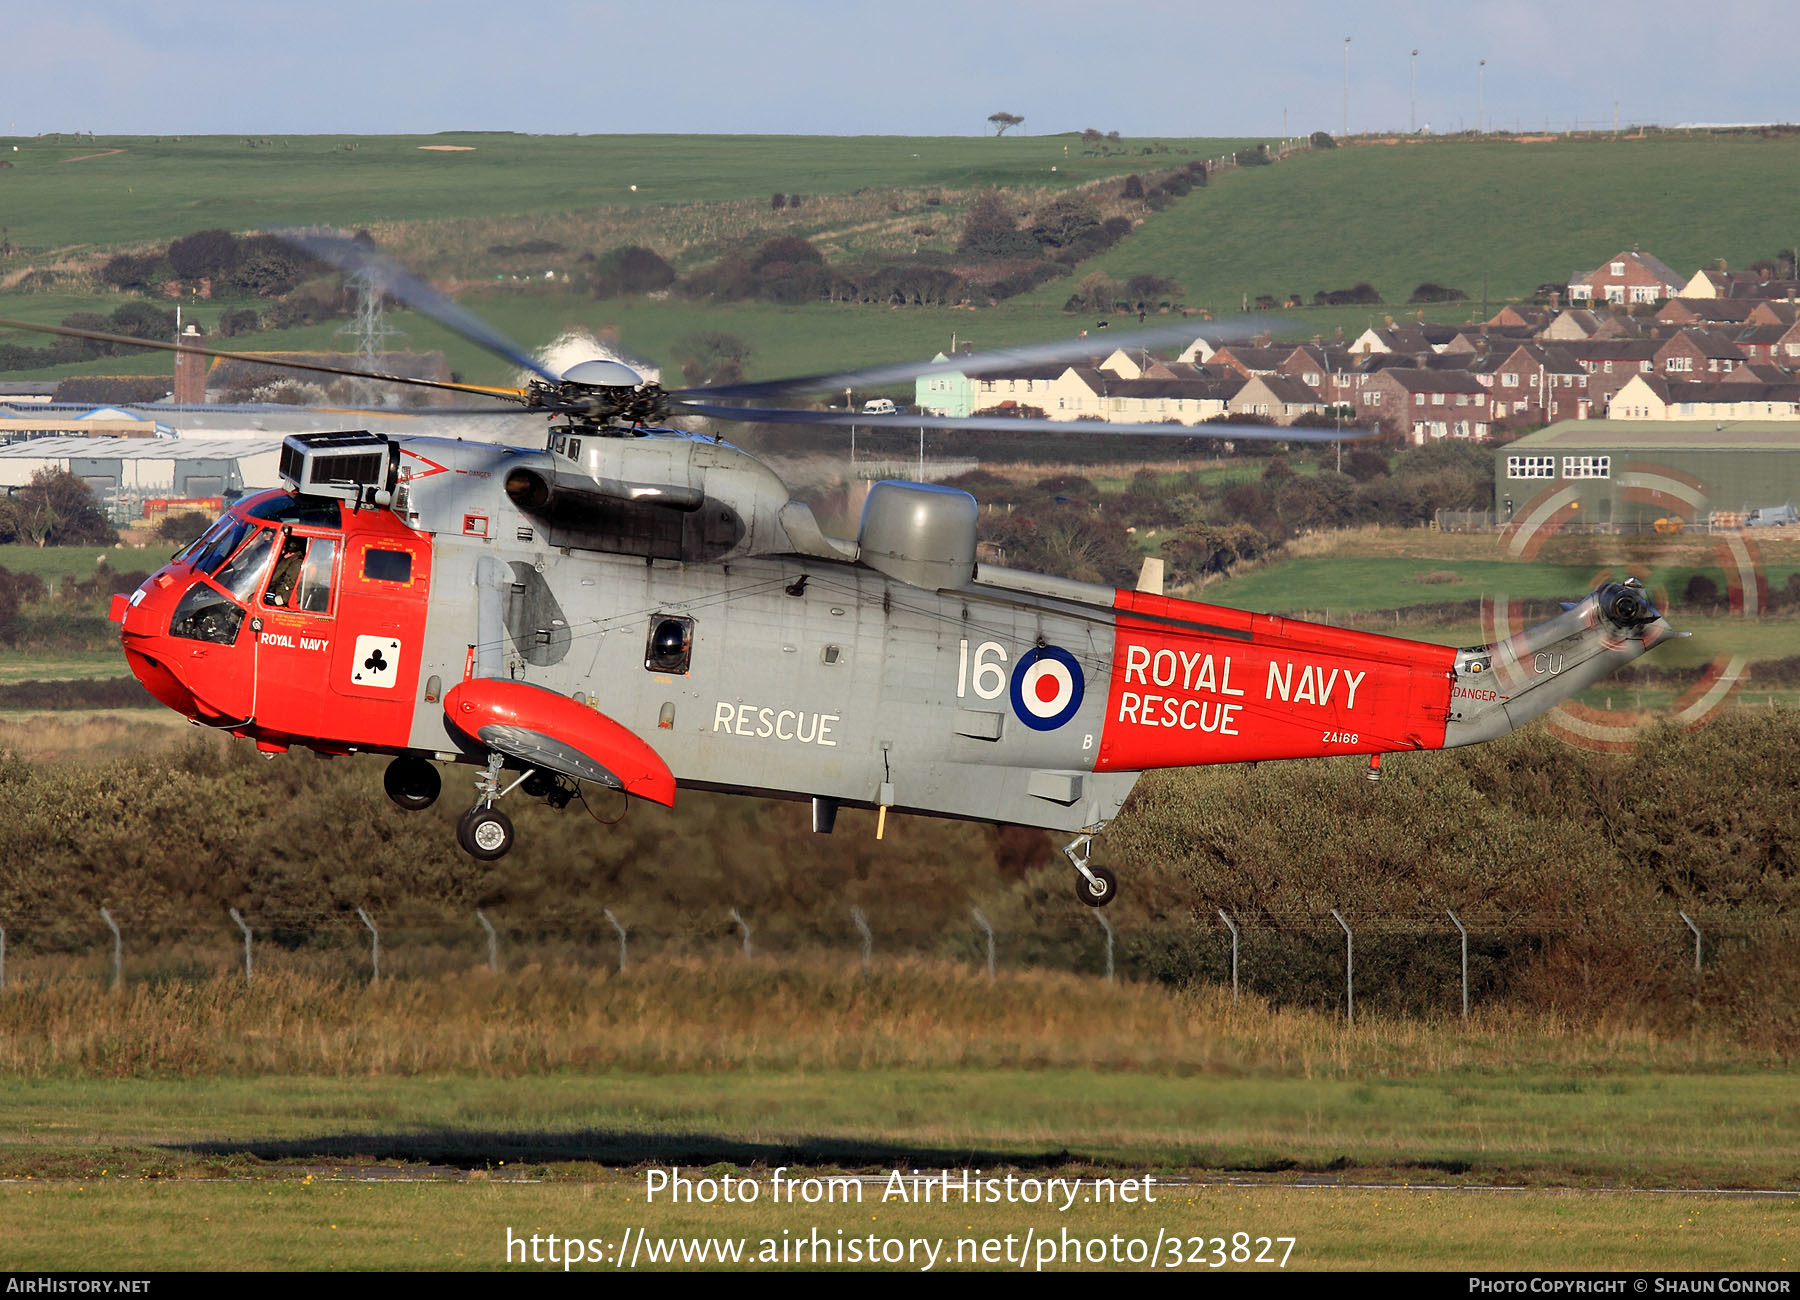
(1771, 517)
(880, 406)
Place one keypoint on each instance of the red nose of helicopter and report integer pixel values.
(181, 630)
(156, 658)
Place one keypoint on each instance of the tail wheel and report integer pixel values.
(1096, 895)
(412, 783)
(485, 833)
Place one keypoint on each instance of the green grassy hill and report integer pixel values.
(115, 190)
(1453, 211)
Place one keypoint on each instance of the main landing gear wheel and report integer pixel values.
(1099, 891)
(412, 783)
(485, 833)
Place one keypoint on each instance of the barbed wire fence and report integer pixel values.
(1448, 962)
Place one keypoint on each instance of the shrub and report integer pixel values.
(989, 230)
(1429, 292)
(204, 254)
(239, 321)
(630, 269)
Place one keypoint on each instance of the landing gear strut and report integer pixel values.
(1095, 886)
(484, 831)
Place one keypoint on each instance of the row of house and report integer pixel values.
(1725, 352)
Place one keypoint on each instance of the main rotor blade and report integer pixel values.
(265, 359)
(1004, 424)
(996, 360)
(395, 280)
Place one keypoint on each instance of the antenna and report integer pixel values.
(371, 332)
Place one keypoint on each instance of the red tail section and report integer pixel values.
(1194, 684)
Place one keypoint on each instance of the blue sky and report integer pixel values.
(919, 67)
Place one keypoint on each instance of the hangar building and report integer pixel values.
(1626, 474)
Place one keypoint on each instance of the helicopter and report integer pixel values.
(648, 609)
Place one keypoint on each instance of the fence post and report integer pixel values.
(374, 947)
(493, 941)
(246, 930)
(607, 912)
(1349, 970)
(1107, 926)
(868, 939)
(1465, 959)
(1234, 954)
(118, 945)
(1696, 929)
(745, 927)
(982, 921)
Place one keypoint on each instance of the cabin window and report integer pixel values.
(387, 566)
(302, 579)
(671, 644)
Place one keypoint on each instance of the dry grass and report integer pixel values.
(688, 1015)
(92, 734)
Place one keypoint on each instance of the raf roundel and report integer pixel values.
(1046, 687)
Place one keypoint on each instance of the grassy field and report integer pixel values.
(125, 1223)
(141, 189)
(289, 1123)
(1458, 211)
(1254, 230)
(811, 1061)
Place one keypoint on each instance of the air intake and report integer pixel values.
(354, 466)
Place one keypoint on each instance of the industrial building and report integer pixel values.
(125, 471)
(1627, 474)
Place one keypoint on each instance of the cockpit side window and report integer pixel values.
(226, 537)
(205, 540)
(302, 577)
(244, 574)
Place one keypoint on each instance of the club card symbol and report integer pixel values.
(377, 662)
(1046, 687)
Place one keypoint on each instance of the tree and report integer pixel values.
(793, 250)
(1145, 287)
(1003, 120)
(204, 254)
(712, 357)
(143, 320)
(239, 320)
(267, 267)
(1065, 222)
(132, 271)
(55, 509)
(91, 320)
(989, 230)
(1430, 291)
(630, 269)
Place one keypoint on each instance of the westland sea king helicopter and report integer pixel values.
(646, 608)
